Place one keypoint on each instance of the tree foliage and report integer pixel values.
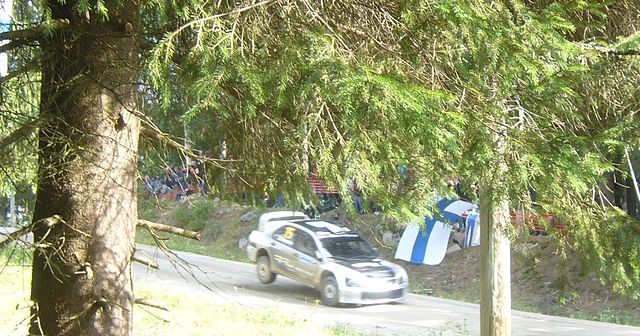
(363, 89)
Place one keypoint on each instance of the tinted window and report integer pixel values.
(348, 247)
(285, 234)
(304, 243)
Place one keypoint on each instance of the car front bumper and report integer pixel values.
(365, 295)
(252, 251)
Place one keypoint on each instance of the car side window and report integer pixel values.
(304, 243)
(285, 234)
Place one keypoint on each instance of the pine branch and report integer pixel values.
(144, 302)
(15, 236)
(20, 134)
(35, 33)
(515, 16)
(611, 51)
(155, 134)
(24, 69)
(13, 45)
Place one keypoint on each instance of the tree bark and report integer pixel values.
(495, 266)
(81, 283)
(495, 257)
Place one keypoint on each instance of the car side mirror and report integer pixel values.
(318, 255)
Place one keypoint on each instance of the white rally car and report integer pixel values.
(331, 258)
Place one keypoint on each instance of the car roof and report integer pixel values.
(325, 229)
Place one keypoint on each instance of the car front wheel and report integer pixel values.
(264, 270)
(329, 294)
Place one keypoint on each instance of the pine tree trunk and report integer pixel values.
(495, 257)
(81, 283)
(495, 266)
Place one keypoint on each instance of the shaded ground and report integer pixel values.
(541, 280)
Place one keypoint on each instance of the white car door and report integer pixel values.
(306, 262)
(282, 251)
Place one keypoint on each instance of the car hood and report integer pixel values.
(371, 267)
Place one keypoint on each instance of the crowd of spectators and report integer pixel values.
(179, 180)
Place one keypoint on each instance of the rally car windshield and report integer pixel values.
(348, 247)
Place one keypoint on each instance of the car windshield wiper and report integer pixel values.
(367, 256)
(340, 257)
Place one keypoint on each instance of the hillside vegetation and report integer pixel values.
(542, 281)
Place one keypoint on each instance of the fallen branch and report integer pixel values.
(169, 229)
(146, 261)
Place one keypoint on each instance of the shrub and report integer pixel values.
(192, 216)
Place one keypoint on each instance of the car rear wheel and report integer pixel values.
(264, 270)
(329, 293)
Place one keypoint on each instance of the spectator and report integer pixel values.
(159, 188)
(180, 180)
(356, 197)
(169, 178)
(148, 189)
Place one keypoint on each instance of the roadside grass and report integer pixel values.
(611, 316)
(606, 315)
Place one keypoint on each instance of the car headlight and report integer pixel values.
(353, 282)
(403, 277)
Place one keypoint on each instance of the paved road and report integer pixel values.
(236, 282)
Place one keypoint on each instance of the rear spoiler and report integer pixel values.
(278, 216)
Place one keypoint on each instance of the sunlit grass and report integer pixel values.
(192, 313)
(15, 291)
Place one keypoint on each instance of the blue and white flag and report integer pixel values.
(453, 209)
(429, 246)
(424, 246)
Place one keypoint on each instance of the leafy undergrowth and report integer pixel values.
(541, 280)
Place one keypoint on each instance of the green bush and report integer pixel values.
(192, 216)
